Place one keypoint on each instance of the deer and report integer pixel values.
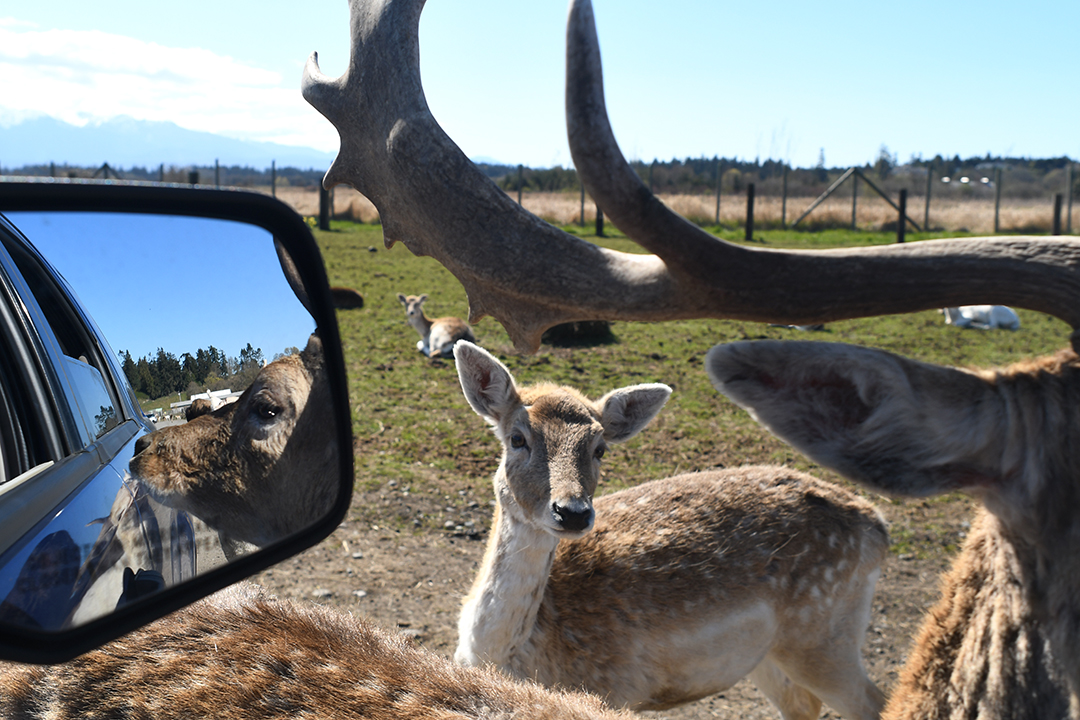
(672, 590)
(236, 468)
(982, 317)
(438, 336)
(242, 654)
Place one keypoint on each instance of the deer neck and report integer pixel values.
(499, 614)
(421, 323)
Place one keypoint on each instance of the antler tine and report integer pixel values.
(792, 286)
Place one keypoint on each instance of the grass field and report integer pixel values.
(412, 426)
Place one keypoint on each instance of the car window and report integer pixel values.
(90, 395)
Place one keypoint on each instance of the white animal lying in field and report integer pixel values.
(685, 586)
(982, 317)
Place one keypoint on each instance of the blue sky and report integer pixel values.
(780, 80)
(173, 282)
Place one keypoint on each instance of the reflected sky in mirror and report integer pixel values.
(177, 283)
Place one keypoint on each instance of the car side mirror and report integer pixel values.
(114, 510)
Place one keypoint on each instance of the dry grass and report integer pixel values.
(873, 213)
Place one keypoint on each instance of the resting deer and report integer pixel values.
(239, 655)
(685, 586)
(437, 337)
(982, 317)
(1006, 437)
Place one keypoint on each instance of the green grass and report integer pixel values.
(412, 424)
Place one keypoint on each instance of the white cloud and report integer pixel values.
(79, 76)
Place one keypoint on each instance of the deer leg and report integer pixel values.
(793, 701)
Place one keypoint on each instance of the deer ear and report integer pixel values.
(624, 412)
(402, 299)
(899, 426)
(423, 298)
(487, 384)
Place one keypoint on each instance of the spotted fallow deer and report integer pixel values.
(241, 655)
(438, 336)
(684, 586)
(1003, 643)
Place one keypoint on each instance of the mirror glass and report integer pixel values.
(225, 446)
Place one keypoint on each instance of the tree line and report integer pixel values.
(207, 369)
(1024, 177)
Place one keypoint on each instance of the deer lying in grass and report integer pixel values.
(982, 317)
(1002, 640)
(239, 655)
(239, 466)
(437, 337)
(685, 586)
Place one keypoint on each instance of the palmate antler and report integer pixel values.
(531, 276)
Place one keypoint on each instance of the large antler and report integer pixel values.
(530, 275)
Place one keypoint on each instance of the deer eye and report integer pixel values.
(266, 409)
(599, 451)
(517, 441)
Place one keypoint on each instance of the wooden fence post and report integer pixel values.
(161, 173)
(582, 218)
(749, 212)
(1068, 197)
(1058, 200)
(997, 199)
(929, 185)
(599, 222)
(902, 225)
(217, 173)
(324, 208)
(783, 201)
(854, 197)
(273, 178)
(719, 180)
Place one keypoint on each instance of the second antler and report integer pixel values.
(530, 275)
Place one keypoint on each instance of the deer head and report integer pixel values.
(531, 276)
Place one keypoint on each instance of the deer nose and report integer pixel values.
(570, 519)
(142, 443)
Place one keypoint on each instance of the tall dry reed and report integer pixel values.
(872, 213)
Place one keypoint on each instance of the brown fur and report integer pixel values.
(240, 655)
(198, 408)
(1001, 642)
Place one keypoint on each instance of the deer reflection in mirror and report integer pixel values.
(259, 469)
(256, 470)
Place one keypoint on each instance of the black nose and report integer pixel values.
(142, 443)
(572, 520)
